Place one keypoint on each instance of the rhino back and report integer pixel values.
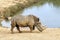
(23, 20)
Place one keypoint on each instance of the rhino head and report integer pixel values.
(40, 27)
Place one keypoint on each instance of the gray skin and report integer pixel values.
(40, 27)
(25, 21)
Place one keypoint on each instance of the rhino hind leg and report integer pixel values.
(12, 27)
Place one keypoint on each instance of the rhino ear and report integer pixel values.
(38, 19)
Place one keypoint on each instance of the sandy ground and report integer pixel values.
(47, 34)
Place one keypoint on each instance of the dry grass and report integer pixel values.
(7, 7)
(48, 34)
(10, 7)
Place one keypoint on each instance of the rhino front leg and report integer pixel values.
(31, 28)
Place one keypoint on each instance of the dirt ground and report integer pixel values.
(47, 34)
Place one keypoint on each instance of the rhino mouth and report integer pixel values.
(40, 27)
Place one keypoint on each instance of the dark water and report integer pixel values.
(48, 13)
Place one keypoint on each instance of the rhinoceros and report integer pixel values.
(30, 21)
